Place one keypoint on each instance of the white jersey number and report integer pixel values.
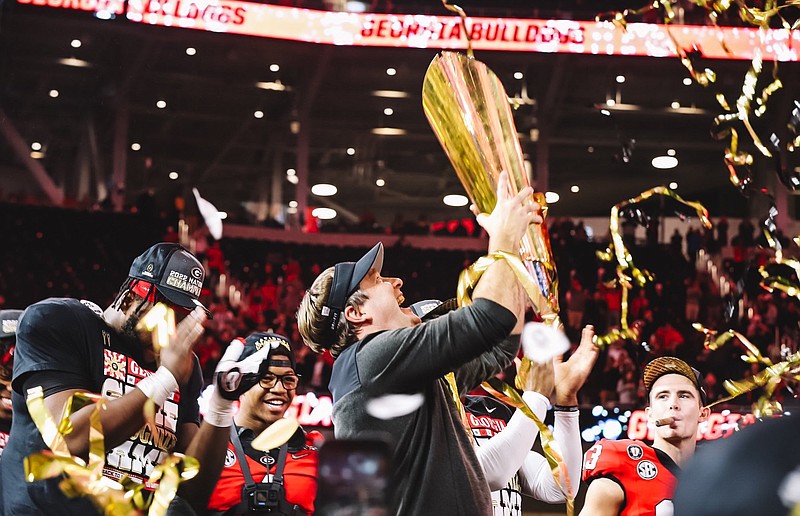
(592, 456)
(665, 508)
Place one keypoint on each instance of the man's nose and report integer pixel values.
(278, 387)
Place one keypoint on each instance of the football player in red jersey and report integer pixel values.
(628, 477)
(238, 478)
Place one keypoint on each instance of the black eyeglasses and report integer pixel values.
(289, 381)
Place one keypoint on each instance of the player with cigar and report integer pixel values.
(628, 477)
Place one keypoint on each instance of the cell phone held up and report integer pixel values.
(354, 478)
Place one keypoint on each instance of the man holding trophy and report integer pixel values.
(383, 349)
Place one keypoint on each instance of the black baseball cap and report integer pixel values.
(432, 308)
(661, 366)
(8, 323)
(234, 383)
(279, 347)
(175, 272)
(347, 276)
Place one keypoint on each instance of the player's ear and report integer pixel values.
(355, 315)
(704, 413)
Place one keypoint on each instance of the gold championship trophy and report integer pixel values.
(469, 111)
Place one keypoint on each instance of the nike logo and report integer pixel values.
(300, 455)
(490, 410)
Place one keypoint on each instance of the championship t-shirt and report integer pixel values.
(68, 341)
(645, 474)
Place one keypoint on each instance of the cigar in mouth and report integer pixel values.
(665, 421)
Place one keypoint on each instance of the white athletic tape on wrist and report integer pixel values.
(219, 412)
(159, 385)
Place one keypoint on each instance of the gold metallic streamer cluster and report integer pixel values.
(628, 274)
(469, 277)
(751, 102)
(112, 498)
(769, 378)
(160, 322)
(780, 273)
(466, 284)
(752, 15)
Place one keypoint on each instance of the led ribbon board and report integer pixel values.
(440, 32)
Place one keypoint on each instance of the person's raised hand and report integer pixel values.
(512, 215)
(233, 377)
(572, 374)
(177, 356)
(541, 378)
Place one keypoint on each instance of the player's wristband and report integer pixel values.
(159, 385)
(565, 408)
(219, 412)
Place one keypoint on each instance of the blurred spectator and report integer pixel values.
(639, 305)
(693, 298)
(216, 259)
(627, 388)
(576, 305)
(746, 230)
(676, 241)
(722, 232)
(665, 339)
(694, 241)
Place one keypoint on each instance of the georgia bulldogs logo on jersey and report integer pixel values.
(230, 458)
(647, 470)
(635, 451)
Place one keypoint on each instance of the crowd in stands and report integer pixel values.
(256, 285)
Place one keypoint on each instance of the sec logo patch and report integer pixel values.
(647, 470)
(230, 459)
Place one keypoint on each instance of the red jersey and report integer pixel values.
(645, 474)
(299, 473)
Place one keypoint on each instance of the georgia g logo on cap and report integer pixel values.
(197, 273)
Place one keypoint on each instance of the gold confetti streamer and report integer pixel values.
(768, 379)
(169, 475)
(466, 284)
(509, 396)
(470, 276)
(627, 273)
(463, 15)
(112, 498)
(750, 103)
(160, 321)
(275, 434)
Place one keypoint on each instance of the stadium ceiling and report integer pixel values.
(239, 111)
